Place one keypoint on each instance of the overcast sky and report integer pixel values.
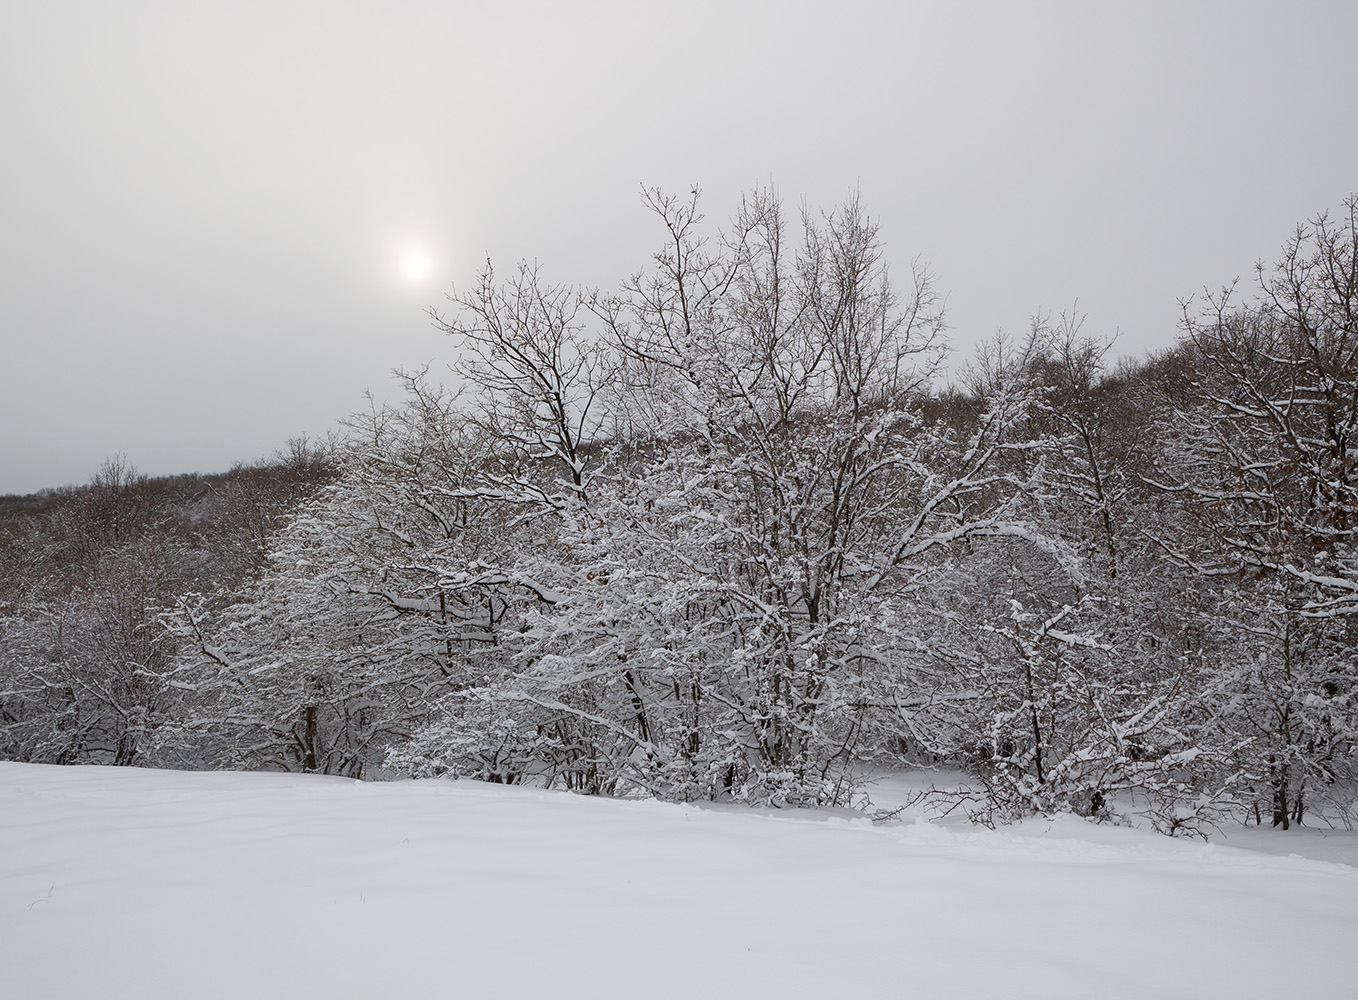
(205, 208)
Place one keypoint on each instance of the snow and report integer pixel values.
(148, 884)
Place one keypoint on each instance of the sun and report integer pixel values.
(415, 267)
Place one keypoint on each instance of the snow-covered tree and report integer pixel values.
(708, 559)
(1263, 462)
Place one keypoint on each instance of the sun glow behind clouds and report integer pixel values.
(415, 267)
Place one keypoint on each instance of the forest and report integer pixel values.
(742, 530)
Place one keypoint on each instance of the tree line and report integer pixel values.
(89, 672)
(726, 533)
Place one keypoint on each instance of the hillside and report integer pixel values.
(119, 882)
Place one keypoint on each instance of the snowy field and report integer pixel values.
(152, 884)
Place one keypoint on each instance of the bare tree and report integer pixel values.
(1264, 465)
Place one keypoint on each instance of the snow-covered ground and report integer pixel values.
(148, 884)
(1320, 839)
